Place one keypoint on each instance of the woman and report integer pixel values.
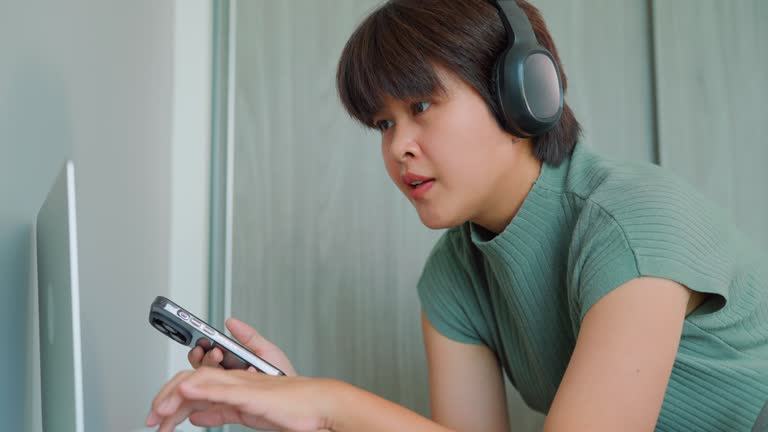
(612, 294)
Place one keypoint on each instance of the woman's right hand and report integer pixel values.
(249, 338)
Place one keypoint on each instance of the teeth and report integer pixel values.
(417, 183)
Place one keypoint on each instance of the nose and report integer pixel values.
(405, 139)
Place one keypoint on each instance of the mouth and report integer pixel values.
(417, 185)
(421, 183)
(418, 188)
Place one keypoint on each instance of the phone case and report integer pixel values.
(183, 327)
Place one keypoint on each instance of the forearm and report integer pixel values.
(354, 409)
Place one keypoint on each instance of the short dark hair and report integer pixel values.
(395, 49)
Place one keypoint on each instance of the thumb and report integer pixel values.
(248, 336)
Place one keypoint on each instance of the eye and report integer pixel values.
(383, 125)
(421, 106)
(417, 108)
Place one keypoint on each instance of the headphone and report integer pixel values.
(528, 87)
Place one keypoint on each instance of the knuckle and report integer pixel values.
(156, 404)
(204, 373)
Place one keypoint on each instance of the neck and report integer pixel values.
(511, 189)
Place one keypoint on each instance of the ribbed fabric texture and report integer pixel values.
(585, 228)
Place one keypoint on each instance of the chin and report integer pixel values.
(435, 221)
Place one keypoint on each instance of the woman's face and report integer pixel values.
(446, 154)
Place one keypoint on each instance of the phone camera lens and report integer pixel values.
(159, 325)
(171, 329)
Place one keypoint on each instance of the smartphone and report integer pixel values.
(183, 327)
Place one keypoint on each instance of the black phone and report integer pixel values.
(183, 327)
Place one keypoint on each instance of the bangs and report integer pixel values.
(387, 55)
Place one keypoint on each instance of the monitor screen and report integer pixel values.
(61, 376)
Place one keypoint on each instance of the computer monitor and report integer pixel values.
(61, 370)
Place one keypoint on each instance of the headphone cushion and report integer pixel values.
(528, 90)
(541, 85)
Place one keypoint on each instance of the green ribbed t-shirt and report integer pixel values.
(586, 227)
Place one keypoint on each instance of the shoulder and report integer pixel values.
(447, 292)
(638, 219)
(620, 185)
(642, 201)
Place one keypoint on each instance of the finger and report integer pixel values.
(242, 397)
(159, 401)
(213, 358)
(152, 418)
(195, 356)
(248, 336)
(179, 415)
(229, 415)
(215, 415)
(168, 398)
(225, 393)
(203, 375)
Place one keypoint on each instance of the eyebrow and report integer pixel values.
(435, 95)
(381, 112)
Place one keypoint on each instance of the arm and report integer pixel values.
(214, 397)
(358, 410)
(616, 380)
(619, 370)
(466, 393)
(211, 396)
(466, 384)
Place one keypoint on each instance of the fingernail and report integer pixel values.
(150, 420)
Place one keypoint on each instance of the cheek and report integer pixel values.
(465, 167)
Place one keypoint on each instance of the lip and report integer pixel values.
(419, 191)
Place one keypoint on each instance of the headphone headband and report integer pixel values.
(526, 77)
(515, 22)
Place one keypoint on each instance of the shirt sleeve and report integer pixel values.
(663, 239)
(445, 294)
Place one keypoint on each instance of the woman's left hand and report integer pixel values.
(211, 397)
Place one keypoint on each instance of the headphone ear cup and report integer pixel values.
(509, 93)
(529, 90)
(542, 88)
